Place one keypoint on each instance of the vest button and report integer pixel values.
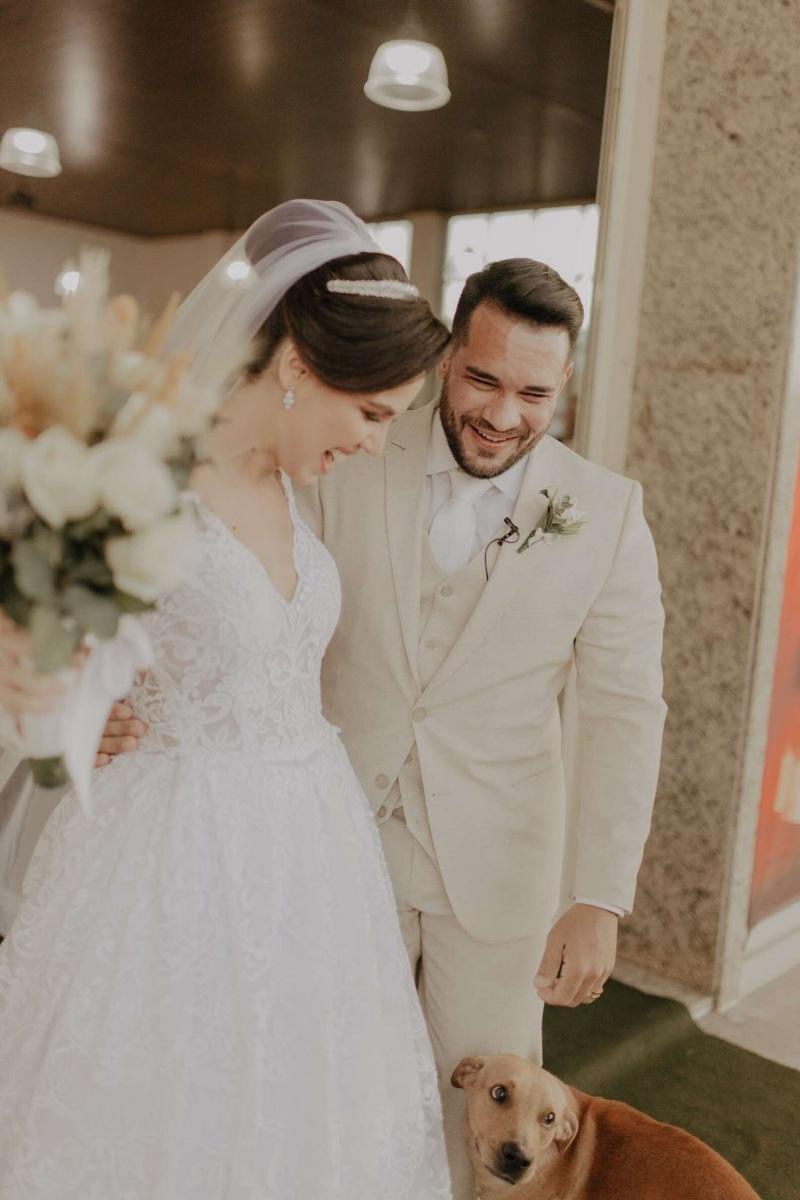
(381, 813)
(382, 781)
(431, 644)
(446, 590)
(419, 714)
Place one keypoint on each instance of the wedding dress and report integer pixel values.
(205, 995)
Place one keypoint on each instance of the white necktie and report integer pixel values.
(453, 530)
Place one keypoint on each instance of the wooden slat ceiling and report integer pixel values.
(176, 116)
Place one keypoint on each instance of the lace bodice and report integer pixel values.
(237, 666)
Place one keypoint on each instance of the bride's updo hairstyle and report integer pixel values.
(354, 343)
(273, 284)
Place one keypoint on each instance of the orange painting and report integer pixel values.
(776, 879)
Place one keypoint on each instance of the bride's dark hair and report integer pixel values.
(353, 343)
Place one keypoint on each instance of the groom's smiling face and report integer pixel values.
(500, 385)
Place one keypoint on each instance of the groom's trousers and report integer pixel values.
(477, 998)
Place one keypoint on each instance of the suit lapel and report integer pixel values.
(404, 463)
(510, 569)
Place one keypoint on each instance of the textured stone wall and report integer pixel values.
(721, 264)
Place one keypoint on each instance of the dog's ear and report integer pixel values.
(566, 1130)
(467, 1072)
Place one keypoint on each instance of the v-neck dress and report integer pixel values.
(205, 994)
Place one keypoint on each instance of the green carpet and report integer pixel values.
(648, 1052)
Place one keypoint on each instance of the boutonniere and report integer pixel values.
(561, 519)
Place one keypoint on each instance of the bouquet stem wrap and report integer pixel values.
(62, 745)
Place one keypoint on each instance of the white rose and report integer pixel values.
(13, 445)
(157, 560)
(131, 483)
(151, 424)
(57, 477)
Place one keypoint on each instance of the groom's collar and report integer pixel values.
(440, 458)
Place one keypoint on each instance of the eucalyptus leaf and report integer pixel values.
(94, 614)
(33, 572)
(94, 571)
(96, 522)
(130, 604)
(17, 607)
(55, 638)
(49, 542)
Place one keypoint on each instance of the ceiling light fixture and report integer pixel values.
(409, 75)
(68, 281)
(30, 152)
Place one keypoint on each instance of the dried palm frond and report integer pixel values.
(157, 335)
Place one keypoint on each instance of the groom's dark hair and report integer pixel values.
(525, 288)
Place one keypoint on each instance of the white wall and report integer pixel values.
(33, 250)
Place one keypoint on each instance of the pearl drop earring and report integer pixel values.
(288, 400)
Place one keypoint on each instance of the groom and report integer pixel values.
(446, 685)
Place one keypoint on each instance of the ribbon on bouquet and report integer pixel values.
(73, 730)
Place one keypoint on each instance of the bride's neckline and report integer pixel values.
(286, 601)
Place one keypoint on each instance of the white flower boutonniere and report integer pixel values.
(562, 518)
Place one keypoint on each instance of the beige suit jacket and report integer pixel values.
(487, 726)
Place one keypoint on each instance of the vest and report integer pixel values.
(446, 604)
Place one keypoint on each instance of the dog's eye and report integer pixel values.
(499, 1094)
(549, 1118)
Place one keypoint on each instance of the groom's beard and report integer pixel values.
(454, 427)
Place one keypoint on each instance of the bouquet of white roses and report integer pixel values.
(98, 434)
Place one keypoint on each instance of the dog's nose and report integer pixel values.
(514, 1160)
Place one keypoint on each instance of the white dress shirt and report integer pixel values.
(491, 509)
(493, 506)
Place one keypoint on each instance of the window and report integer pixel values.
(395, 238)
(565, 237)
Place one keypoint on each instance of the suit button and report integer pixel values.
(419, 714)
(381, 813)
(446, 590)
(382, 781)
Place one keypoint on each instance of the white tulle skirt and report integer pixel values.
(205, 996)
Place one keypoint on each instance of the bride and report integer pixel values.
(205, 995)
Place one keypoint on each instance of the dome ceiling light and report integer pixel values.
(30, 152)
(408, 75)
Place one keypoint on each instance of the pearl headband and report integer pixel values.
(384, 289)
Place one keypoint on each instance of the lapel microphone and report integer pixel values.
(511, 536)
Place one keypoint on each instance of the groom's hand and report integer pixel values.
(579, 956)
(121, 734)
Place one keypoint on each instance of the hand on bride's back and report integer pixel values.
(121, 735)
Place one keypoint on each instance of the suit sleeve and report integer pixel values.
(621, 717)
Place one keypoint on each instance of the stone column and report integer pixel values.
(707, 428)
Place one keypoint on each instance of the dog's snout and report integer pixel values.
(514, 1159)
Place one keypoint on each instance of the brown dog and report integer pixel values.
(532, 1137)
